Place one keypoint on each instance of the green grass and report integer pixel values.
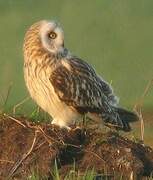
(114, 36)
(33, 176)
(73, 174)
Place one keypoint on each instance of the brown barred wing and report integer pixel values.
(81, 66)
(83, 92)
(76, 90)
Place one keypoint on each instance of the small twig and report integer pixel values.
(47, 138)
(131, 175)
(96, 155)
(7, 161)
(139, 104)
(37, 147)
(14, 119)
(72, 145)
(8, 93)
(19, 104)
(39, 129)
(18, 163)
(138, 107)
(142, 125)
(1, 96)
(150, 83)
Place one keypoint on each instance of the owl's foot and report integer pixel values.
(60, 124)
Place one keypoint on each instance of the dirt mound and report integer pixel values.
(26, 147)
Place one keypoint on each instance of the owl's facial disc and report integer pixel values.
(52, 37)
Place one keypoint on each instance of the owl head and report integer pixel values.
(51, 36)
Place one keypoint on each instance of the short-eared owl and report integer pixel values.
(64, 85)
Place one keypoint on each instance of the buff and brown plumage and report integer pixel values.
(64, 85)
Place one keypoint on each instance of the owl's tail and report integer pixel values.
(121, 119)
(117, 118)
(126, 117)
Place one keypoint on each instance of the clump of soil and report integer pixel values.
(26, 147)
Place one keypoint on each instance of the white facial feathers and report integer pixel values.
(53, 45)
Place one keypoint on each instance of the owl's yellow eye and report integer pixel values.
(52, 35)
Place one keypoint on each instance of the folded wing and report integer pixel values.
(77, 85)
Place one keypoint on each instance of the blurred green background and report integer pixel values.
(115, 36)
